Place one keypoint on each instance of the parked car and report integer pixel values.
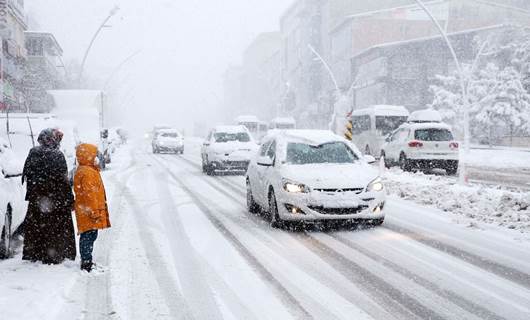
(312, 175)
(168, 140)
(421, 144)
(227, 148)
(12, 204)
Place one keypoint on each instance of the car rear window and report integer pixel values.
(222, 137)
(433, 135)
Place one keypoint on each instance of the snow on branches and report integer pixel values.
(498, 93)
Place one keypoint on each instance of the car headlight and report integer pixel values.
(376, 185)
(293, 187)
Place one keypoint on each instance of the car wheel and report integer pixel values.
(451, 168)
(274, 217)
(209, 169)
(252, 206)
(5, 239)
(404, 163)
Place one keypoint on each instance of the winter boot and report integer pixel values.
(86, 266)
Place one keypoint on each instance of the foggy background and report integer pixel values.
(185, 48)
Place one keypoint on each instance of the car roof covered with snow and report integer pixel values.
(426, 125)
(231, 129)
(382, 110)
(427, 115)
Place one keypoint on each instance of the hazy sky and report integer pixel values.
(185, 47)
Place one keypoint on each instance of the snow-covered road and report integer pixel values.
(183, 246)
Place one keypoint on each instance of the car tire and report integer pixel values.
(252, 206)
(404, 163)
(274, 218)
(209, 169)
(451, 168)
(5, 237)
(378, 222)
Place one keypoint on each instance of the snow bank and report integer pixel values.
(481, 203)
(36, 291)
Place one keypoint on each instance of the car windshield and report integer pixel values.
(222, 137)
(170, 135)
(388, 124)
(433, 135)
(333, 152)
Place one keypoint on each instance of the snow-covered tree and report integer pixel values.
(497, 91)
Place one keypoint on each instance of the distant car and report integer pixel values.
(168, 140)
(422, 145)
(227, 148)
(312, 175)
(12, 203)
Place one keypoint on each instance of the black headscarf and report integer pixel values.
(50, 138)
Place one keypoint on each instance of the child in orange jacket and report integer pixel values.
(91, 208)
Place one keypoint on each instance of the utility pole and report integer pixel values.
(463, 87)
(103, 25)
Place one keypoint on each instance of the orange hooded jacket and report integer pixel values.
(91, 208)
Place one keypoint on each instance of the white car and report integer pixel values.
(227, 148)
(311, 175)
(12, 203)
(422, 145)
(168, 140)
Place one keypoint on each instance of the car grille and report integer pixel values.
(338, 211)
(356, 190)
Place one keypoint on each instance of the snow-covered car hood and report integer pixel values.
(330, 176)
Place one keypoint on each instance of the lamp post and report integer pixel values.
(94, 37)
(463, 87)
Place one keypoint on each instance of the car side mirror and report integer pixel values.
(265, 161)
(370, 159)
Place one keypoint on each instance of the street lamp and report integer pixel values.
(103, 25)
(462, 175)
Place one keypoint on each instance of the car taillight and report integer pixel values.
(453, 145)
(415, 144)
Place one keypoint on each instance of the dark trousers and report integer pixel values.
(86, 244)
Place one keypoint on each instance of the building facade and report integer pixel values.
(13, 58)
(44, 70)
(261, 79)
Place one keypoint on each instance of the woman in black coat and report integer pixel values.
(48, 227)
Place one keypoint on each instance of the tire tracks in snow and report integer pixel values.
(192, 270)
(485, 264)
(99, 304)
(292, 304)
(377, 284)
(174, 301)
(395, 300)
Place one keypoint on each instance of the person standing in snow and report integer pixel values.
(49, 235)
(91, 208)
